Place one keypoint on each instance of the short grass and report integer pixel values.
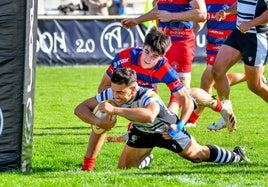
(60, 139)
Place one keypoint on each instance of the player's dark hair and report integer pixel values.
(125, 76)
(158, 41)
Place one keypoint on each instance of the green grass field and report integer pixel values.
(60, 139)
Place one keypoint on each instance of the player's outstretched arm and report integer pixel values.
(130, 22)
(198, 13)
(105, 83)
(186, 102)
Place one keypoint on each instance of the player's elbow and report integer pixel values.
(150, 118)
(202, 16)
(77, 111)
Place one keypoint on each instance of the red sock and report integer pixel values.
(128, 127)
(193, 117)
(218, 106)
(88, 164)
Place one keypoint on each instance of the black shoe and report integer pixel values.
(241, 152)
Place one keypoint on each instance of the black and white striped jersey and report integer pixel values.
(142, 98)
(247, 10)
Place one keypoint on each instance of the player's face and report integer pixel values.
(122, 93)
(149, 58)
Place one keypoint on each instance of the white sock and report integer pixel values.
(146, 161)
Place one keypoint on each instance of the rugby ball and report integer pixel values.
(100, 115)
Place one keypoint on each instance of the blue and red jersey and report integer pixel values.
(218, 31)
(162, 72)
(176, 29)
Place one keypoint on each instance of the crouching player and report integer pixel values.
(153, 125)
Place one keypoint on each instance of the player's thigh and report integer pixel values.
(226, 58)
(131, 157)
(180, 56)
(254, 75)
(195, 152)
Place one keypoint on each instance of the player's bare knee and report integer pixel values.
(196, 160)
(215, 73)
(121, 166)
(253, 87)
(200, 155)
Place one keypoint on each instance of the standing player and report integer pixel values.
(217, 32)
(249, 40)
(153, 125)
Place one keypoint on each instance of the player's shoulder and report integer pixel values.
(130, 53)
(162, 64)
(135, 50)
(105, 95)
(147, 92)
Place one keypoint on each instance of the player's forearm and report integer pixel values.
(186, 103)
(105, 83)
(186, 111)
(141, 115)
(103, 87)
(262, 19)
(85, 114)
(151, 15)
(195, 15)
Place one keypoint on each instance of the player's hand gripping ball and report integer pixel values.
(101, 115)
